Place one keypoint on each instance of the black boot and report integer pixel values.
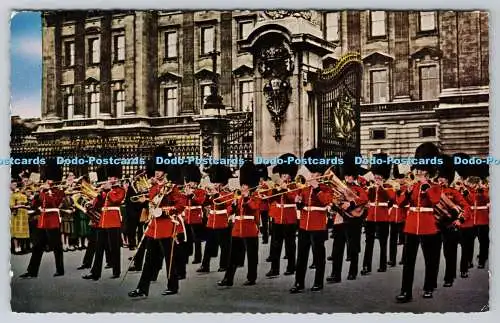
(137, 293)
(403, 298)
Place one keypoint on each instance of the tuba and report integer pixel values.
(83, 201)
(446, 212)
(342, 193)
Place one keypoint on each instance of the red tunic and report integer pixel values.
(193, 206)
(398, 214)
(247, 217)
(264, 204)
(313, 217)
(110, 212)
(283, 209)
(480, 206)
(362, 198)
(420, 219)
(163, 227)
(458, 199)
(379, 203)
(49, 209)
(218, 216)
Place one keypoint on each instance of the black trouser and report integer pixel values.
(194, 234)
(133, 216)
(316, 240)
(353, 228)
(240, 246)
(44, 237)
(401, 239)
(156, 249)
(339, 243)
(382, 231)
(216, 238)
(431, 250)
(396, 229)
(180, 254)
(280, 233)
(110, 238)
(264, 216)
(467, 244)
(451, 237)
(91, 246)
(483, 234)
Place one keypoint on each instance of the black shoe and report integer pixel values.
(115, 276)
(27, 275)
(464, 274)
(382, 270)
(131, 248)
(351, 277)
(134, 268)
(427, 294)
(296, 290)
(224, 282)
(221, 270)
(403, 298)
(348, 259)
(265, 241)
(268, 259)
(289, 272)
(249, 283)
(83, 267)
(391, 263)
(90, 276)
(169, 292)
(196, 261)
(333, 279)
(202, 270)
(313, 266)
(107, 266)
(58, 274)
(272, 273)
(329, 258)
(401, 262)
(285, 257)
(480, 266)
(316, 288)
(181, 277)
(137, 293)
(448, 284)
(365, 272)
(471, 265)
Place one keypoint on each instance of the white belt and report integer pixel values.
(218, 212)
(479, 207)
(193, 207)
(395, 207)
(379, 204)
(315, 208)
(244, 217)
(285, 205)
(49, 210)
(421, 209)
(111, 208)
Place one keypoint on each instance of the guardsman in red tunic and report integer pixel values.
(108, 202)
(264, 205)
(396, 216)
(347, 229)
(92, 241)
(193, 199)
(161, 233)
(218, 231)
(245, 230)
(312, 203)
(450, 230)
(48, 227)
(420, 225)
(382, 197)
(481, 215)
(283, 211)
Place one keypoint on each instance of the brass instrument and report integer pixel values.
(443, 211)
(83, 201)
(236, 196)
(300, 181)
(342, 193)
(141, 185)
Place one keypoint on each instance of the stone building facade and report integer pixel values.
(136, 78)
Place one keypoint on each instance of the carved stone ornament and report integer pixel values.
(280, 14)
(276, 65)
(344, 117)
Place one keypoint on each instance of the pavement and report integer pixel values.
(199, 292)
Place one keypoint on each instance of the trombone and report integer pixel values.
(236, 196)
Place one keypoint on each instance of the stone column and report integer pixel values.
(401, 51)
(49, 108)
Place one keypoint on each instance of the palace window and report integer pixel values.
(69, 105)
(429, 83)
(246, 96)
(170, 101)
(93, 103)
(377, 24)
(379, 86)
(377, 134)
(427, 20)
(119, 48)
(207, 40)
(245, 28)
(119, 101)
(332, 26)
(205, 93)
(171, 44)
(94, 50)
(428, 131)
(69, 53)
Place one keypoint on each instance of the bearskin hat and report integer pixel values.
(285, 167)
(427, 150)
(219, 174)
(383, 169)
(349, 168)
(249, 174)
(114, 171)
(482, 171)
(163, 152)
(464, 170)
(191, 173)
(446, 169)
(397, 173)
(263, 172)
(53, 171)
(315, 154)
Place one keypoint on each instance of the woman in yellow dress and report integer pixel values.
(19, 227)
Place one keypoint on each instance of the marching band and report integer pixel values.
(172, 212)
